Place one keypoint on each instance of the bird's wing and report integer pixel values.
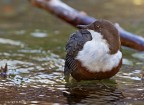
(73, 46)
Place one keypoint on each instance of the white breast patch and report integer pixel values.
(95, 54)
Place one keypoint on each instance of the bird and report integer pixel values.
(93, 52)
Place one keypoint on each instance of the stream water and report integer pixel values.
(32, 45)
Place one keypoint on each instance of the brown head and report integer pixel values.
(109, 32)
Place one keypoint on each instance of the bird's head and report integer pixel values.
(108, 32)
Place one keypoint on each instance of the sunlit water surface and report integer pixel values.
(32, 45)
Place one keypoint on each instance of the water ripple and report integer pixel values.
(11, 42)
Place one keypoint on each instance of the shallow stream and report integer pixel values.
(32, 44)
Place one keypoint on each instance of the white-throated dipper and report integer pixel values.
(93, 52)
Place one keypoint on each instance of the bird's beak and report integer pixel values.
(82, 26)
(90, 26)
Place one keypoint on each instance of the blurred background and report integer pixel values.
(32, 44)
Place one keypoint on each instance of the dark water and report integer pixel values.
(32, 45)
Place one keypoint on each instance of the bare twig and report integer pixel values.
(75, 18)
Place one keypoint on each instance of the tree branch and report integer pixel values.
(75, 18)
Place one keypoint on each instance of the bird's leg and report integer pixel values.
(103, 84)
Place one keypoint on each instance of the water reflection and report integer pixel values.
(93, 93)
(11, 42)
(139, 55)
(39, 34)
(31, 95)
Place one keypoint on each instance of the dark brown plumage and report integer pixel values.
(109, 32)
(76, 42)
